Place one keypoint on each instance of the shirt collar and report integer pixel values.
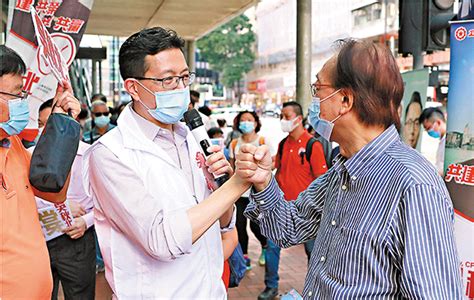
(151, 130)
(368, 154)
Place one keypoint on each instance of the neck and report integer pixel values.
(102, 130)
(249, 137)
(297, 132)
(3, 134)
(138, 108)
(355, 136)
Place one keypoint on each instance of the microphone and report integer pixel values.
(195, 124)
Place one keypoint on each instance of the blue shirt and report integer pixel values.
(383, 222)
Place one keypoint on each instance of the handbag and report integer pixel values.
(237, 267)
(54, 154)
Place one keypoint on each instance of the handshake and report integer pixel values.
(254, 165)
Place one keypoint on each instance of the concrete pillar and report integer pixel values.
(303, 53)
(191, 55)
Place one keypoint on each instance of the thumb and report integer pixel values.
(59, 90)
(67, 86)
(261, 152)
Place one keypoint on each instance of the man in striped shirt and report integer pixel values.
(381, 216)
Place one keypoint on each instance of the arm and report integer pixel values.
(288, 223)
(424, 245)
(230, 241)
(139, 216)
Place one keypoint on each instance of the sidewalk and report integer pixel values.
(292, 272)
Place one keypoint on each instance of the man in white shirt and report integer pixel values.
(434, 122)
(158, 225)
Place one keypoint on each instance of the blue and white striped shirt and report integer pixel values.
(383, 223)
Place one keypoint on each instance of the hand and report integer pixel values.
(217, 163)
(254, 164)
(64, 100)
(76, 209)
(77, 229)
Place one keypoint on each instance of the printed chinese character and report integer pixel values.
(62, 23)
(41, 6)
(23, 5)
(75, 26)
(454, 171)
(52, 8)
(47, 21)
(470, 285)
(30, 78)
(468, 175)
(51, 222)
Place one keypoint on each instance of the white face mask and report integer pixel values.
(288, 125)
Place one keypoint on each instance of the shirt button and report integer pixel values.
(333, 223)
(354, 178)
(323, 258)
(262, 202)
(310, 293)
(344, 187)
(291, 150)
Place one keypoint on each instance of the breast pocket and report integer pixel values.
(346, 260)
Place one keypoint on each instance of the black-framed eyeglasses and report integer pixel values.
(22, 94)
(316, 87)
(171, 82)
(99, 114)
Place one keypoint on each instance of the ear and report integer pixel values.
(130, 86)
(347, 100)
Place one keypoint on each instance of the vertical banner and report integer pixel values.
(413, 103)
(65, 20)
(459, 154)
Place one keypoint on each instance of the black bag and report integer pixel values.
(54, 154)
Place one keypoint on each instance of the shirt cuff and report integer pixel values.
(267, 198)
(89, 218)
(180, 231)
(232, 221)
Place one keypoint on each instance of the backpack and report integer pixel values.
(308, 151)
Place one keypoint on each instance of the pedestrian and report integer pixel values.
(248, 124)
(100, 122)
(434, 122)
(25, 271)
(159, 227)
(72, 254)
(381, 212)
(299, 161)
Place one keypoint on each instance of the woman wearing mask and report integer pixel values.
(247, 123)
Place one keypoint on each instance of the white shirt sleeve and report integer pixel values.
(131, 210)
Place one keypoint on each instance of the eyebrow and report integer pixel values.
(172, 71)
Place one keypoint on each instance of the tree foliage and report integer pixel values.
(229, 49)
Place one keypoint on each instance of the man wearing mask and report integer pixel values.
(381, 212)
(157, 223)
(100, 122)
(25, 271)
(434, 123)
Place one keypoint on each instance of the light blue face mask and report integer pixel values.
(322, 127)
(102, 121)
(170, 105)
(246, 126)
(434, 134)
(19, 116)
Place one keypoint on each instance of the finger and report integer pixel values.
(261, 152)
(212, 159)
(245, 174)
(67, 86)
(59, 99)
(59, 91)
(244, 157)
(246, 165)
(217, 165)
(68, 229)
(248, 148)
(214, 148)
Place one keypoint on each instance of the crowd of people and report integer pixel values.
(147, 206)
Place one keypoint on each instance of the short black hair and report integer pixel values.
(221, 122)
(432, 114)
(83, 114)
(149, 41)
(100, 97)
(239, 116)
(46, 104)
(213, 131)
(194, 94)
(11, 62)
(296, 107)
